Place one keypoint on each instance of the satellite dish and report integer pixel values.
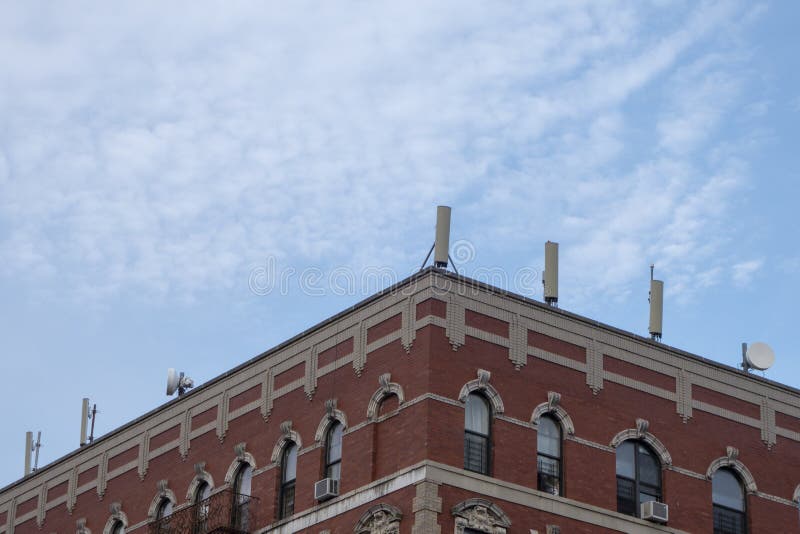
(759, 356)
(177, 382)
(172, 381)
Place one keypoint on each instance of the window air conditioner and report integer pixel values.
(658, 512)
(326, 488)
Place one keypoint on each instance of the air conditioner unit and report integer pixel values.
(658, 512)
(327, 488)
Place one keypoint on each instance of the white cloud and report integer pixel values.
(743, 272)
(165, 151)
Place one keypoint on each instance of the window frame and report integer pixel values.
(486, 439)
(241, 500)
(558, 459)
(331, 464)
(286, 488)
(117, 527)
(637, 483)
(721, 508)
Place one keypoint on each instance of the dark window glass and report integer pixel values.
(242, 485)
(476, 434)
(548, 461)
(118, 528)
(638, 477)
(164, 509)
(201, 494)
(163, 512)
(729, 503)
(333, 452)
(288, 476)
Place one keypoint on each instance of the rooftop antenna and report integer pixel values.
(757, 356)
(550, 274)
(656, 299)
(28, 450)
(31, 447)
(177, 382)
(84, 420)
(441, 244)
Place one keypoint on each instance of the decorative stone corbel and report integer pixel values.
(286, 427)
(483, 377)
(731, 453)
(642, 425)
(239, 450)
(200, 467)
(553, 400)
(330, 408)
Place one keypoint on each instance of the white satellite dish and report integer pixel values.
(177, 382)
(759, 356)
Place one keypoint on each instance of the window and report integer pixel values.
(242, 486)
(730, 514)
(548, 460)
(477, 437)
(163, 512)
(117, 528)
(164, 509)
(201, 495)
(288, 476)
(638, 477)
(333, 451)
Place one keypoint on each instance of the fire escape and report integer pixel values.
(224, 512)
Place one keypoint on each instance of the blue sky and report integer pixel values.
(163, 166)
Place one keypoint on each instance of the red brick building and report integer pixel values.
(441, 405)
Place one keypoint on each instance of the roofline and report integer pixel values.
(391, 289)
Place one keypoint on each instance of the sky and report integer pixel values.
(187, 184)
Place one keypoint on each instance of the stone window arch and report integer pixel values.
(481, 515)
(201, 476)
(387, 388)
(553, 407)
(163, 503)
(288, 435)
(731, 461)
(641, 433)
(379, 519)
(332, 416)
(796, 496)
(482, 386)
(242, 457)
(115, 520)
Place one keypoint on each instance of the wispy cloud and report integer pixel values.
(743, 272)
(149, 156)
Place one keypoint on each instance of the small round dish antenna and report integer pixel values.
(759, 356)
(177, 382)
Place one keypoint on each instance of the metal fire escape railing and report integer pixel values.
(224, 512)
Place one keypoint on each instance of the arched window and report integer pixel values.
(638, 476)
(163, 513)
(477, 434)
(164, 509)
(730, 513)
(548, 460)
(242, 486)
(333, 451)
(288, 477)
(201, 495)
(118, 528)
